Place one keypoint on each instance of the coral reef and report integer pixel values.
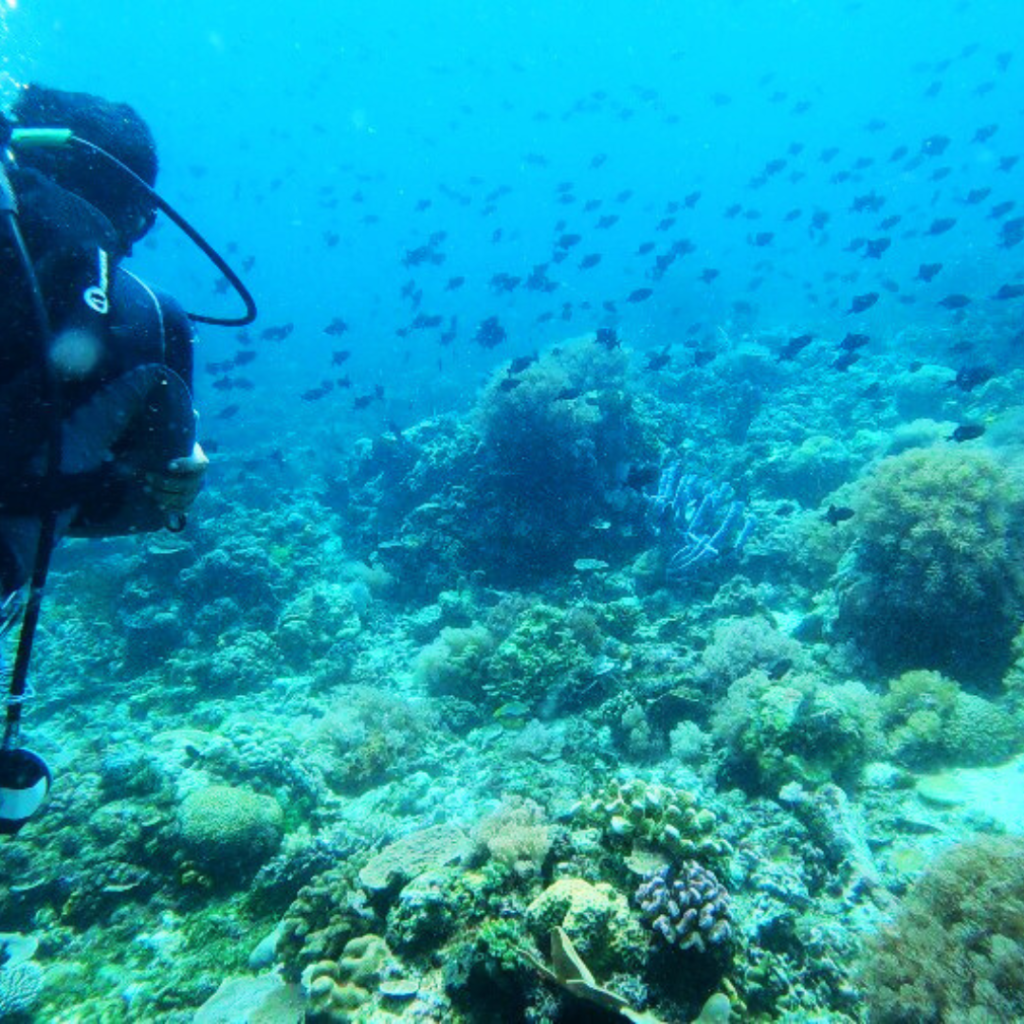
(936, 579)
(687, 908)
(956, 949)
(227, 831)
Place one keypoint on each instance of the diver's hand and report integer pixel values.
(175, 488)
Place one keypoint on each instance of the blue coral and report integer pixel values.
(687, 908)
(696, 521)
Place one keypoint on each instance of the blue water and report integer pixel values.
(395, 608)
(271, 118)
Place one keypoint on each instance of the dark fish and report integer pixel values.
(453, 283)
(966, 432)
(819, 219)
(845, 361)
(955, 301)
(276, 333)
(339, 356)
(862, 302)
(793, 215)
(568, 394)
(658, 360)
(890, 222)
(970, 377)
(597, 160)
(590, 260)
(315, 394)
(852, 342)
(733, 211)
(940, 225)
(927, 271)
(607, 221)
(691, 200)
(977, 195)
(644, 248)
(490, 333)
(1009, 291)
(664, 224)
(779, 668)
(703, 356)
(227, 412)
(934, 145)
(1001, 209)
(639, 294)
(336, 327)
(504, 282)
(1007, 163)
(708, 274)
(898, 154)
(834, 516)
(872, 202)
(520, 363)
(607, 337)
(1011, 233)
(248, 355)
(762, 238)
(794, 347)
(567, 241)
(509, 384)
(875, 247)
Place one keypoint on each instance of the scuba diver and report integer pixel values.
(97, 426)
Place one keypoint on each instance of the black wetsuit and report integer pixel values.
(123, 356)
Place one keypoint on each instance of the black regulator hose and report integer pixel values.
(55, 137)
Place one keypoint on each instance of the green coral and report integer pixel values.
(655, 816)
(800, 730)
(956, 949)
(931, 722)
(597, 920)
(937, 577)
(228, 831)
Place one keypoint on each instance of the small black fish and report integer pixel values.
(852, 342)
(607, 337)
(976, 195)
(339, 356)
(966, 432)
(875, 247)
(568, 394)
(941, 225)
(863, 302)
(454, 283)
(639, 294)
(658, 360)
(955, 301)
(845, 361)
(834, 516)
(970, 377)
(336, 327)
(703, 356)
(490, 333)
(607, 221)
(708, 274)
(589, 261)
(227, 412)
(927, 271)
(277, 333)
(248, 355)
(509, 384)
(794, 347)
(1009, 291)
(779, 668)
(520, 363)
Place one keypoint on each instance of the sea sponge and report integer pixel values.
(936, 578)
(228, 831)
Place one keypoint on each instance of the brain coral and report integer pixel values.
(226, 830)
(936, 579)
